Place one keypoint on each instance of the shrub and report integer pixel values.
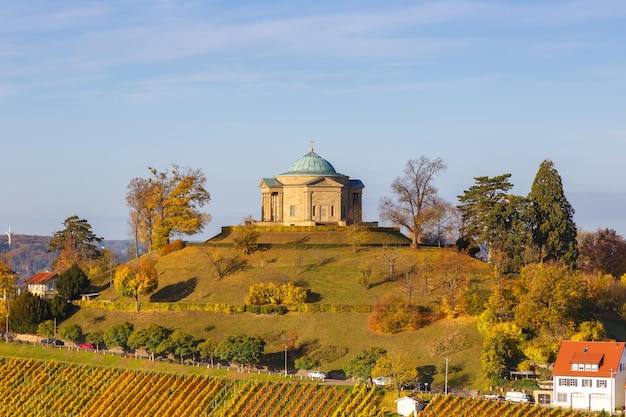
(173, 246)
(272, 293)
(393, 315)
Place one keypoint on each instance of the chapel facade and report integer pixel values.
(311, 193)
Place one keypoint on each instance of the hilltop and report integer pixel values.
(328, 269)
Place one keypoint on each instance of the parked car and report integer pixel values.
(87, 346)
(380, 381)
(495, 397)
(318, 375)
(52, 341)
(518, 397)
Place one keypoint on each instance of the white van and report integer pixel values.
(518, 397)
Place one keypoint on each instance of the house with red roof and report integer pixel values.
(43, 284)
(590, 376)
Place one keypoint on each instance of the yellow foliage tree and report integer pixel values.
(137, 279)
(398, 370)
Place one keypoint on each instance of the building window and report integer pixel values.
(581, 367)
(562, 382)
(314, 210)
(586, 383)
(561, 397)
(292, 211)
(332, 211)
(594, 367)
(544, 399)
(573, 382)
(587, 367)
(601, 383)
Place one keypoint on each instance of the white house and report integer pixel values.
(590, 375)
(407, 405)
(42, 284)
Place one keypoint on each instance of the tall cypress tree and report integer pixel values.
(552, 217)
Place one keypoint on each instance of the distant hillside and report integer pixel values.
(27, 254)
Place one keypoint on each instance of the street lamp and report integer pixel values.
(285, 361)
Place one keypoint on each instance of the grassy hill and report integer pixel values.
(330, 273)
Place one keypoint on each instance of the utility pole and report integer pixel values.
(285, 361)
(446, 387)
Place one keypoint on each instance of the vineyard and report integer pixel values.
(48, 388)
(441, 405)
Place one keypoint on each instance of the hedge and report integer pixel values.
(226, 308)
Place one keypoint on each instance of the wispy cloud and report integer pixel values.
(150, 45)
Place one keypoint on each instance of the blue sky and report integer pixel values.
(93, 93)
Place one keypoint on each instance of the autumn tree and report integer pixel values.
(415, 197)
(358, 235)
(75, 244)
(8, 288)
(399, 370)
(501, 349)
(222, 264)
(139, 278)
(551, 299)
(602, 251)
(246, 236)
(590, 330)
(552, 217)
(167, 204)
(392, 314)
(455, 271)
(71, 282)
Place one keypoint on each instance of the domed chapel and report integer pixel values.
(310, 193)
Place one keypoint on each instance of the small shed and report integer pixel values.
(407, 405)
(89, 296)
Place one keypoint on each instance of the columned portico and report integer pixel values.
(311, 192)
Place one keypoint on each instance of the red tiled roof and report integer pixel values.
(606, 354)
(40, 278)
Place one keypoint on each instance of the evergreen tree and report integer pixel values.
(490, 215)
(478, 202)
(76, 243)
(552, 217)
(71, 282)
(27, 311)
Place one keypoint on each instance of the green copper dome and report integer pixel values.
(312, 164)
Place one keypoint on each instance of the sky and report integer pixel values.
(92, 93)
